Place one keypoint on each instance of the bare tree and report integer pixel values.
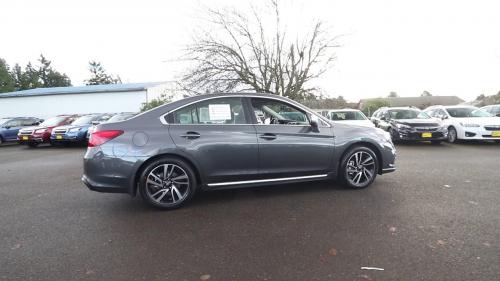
(252, 54)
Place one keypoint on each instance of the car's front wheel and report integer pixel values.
(452, 135)
(359, 167)
(167, 183)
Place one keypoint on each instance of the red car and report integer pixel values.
(33, 136)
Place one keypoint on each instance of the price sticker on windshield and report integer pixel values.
(219, 111)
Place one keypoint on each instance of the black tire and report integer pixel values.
(146, 188)
(1, 140)
(32, 144)
(452, 135)
(436, 142)
(347, 174)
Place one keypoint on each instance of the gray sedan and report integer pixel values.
(221, 141)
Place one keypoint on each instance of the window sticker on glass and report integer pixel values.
(219, 111)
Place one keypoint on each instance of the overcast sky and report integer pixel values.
(445, 47)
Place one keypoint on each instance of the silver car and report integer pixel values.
(218, 141)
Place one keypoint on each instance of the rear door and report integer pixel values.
(288, 145)
(218, 135)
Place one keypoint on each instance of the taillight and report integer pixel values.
(99, 137)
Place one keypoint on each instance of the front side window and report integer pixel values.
(269, 111)
(221, 111)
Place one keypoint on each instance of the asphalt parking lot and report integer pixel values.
(436, 218)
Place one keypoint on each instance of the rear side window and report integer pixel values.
(214, 111)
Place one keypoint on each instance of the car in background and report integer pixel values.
(9, 127)
(375, 118)
(466, 122)
(349, 116)
(218, 141)
(33, 136)
(492, 109)
(76, 132)
(411, 124)
(115, 118)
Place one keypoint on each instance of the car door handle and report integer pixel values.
(268, 136)
(191, 135)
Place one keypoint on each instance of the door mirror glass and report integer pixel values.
(314, 124)
(383, 118)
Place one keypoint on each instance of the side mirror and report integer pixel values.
(383, 118)
(7, 127)
(314, 125)
(95, 123)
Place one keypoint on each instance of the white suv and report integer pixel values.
(466, 122)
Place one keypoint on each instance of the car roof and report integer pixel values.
(404, 107)
(344, 109)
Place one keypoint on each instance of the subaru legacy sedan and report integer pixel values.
(221, 141)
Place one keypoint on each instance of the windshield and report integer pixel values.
(54, 121)
(408, 114)
(84, 120)
(119, 117)
(347, 115)
(464, 112)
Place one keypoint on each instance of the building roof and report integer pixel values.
(129, 87)
(420, 102)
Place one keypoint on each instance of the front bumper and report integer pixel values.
(478, 133)
(421, 136)
(27, 139)
(68, 137)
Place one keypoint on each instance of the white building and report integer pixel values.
(47, 102)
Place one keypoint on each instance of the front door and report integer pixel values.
(217, 133)
(288, 145)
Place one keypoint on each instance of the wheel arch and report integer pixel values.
(144, 164)
(368, 144)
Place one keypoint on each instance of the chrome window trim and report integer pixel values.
(266, 180)
(164, 121)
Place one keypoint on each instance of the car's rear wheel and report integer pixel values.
(1, 140)
(167, 183)
(452, 135)
(359, 167)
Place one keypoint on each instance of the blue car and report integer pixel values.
(76, 132)
(9, 127)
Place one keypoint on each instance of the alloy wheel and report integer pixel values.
(360, 168)
(167, 185)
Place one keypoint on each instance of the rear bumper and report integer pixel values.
(102, 188)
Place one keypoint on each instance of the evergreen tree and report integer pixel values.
(7, 83)
(99, 75)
